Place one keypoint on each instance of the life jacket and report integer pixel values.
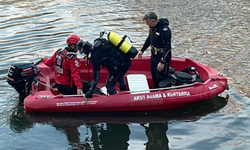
(60, 57)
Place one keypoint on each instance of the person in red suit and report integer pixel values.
(66, 63)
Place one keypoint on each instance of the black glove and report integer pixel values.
(89, 94)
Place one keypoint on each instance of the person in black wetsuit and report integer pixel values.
(160, 40)
(106, 54)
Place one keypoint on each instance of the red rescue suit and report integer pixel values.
(66, 67)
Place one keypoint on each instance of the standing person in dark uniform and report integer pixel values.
(67, 73)
(106, 54)
(160, 40)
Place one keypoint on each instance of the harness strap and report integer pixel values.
(120, 43)
(156, 50)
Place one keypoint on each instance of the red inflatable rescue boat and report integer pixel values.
(189, 82)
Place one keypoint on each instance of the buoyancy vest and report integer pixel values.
(115, 59)
(60, 57)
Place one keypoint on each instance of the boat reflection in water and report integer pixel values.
(157, 137)
(110, 136)
(106, 131)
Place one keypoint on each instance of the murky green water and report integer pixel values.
(215, 33)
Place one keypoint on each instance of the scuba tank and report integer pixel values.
(120, 43)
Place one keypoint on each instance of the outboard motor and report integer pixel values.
(20, 77)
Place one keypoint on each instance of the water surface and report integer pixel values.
(215, 33)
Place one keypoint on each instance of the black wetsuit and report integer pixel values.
(115, 61)
(160, 40)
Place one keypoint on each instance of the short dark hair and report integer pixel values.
(150, 15)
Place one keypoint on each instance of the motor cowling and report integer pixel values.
(20, 77)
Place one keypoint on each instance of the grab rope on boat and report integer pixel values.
(215, 79)
(47, 81)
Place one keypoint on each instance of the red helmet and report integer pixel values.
(73, 39)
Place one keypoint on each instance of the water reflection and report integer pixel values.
(72, 134)
(157, 136)
(19, 121)
(110, 136)
(108, 131)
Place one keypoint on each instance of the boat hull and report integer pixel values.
(43, 100)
